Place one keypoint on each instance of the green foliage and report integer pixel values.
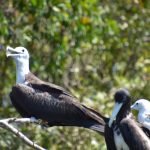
(90, 47)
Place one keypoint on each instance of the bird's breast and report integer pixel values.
(119, 140)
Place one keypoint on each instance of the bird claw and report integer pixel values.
(42, 122)
(39, 121)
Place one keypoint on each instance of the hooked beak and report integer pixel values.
(133, 106)
(115, 111)
(11, 51)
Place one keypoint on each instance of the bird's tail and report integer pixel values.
(98, 128)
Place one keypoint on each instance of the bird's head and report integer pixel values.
(122, 97)
(141, 104)
(19, 53)
(21, 57)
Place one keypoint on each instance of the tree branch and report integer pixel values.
(5, 123)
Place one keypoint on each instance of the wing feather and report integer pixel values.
(31, 79)
(53, 106)
(133, 135)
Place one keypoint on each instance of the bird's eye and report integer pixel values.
(22, 50)
(137, 103)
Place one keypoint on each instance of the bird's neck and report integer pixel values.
(145, 109)
(124, 113)
(141, 116)
(142, 113)
(22, 68)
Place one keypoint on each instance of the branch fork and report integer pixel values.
(6, 124)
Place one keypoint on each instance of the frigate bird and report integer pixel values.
(143, 106)
(51, 103)
(33, 97)
(122, 131)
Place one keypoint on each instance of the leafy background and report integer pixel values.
(90, 47)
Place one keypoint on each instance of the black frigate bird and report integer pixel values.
(122, 132)
(33, 97)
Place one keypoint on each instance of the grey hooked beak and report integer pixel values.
(115, 111)
(132, 106)
(11, 51)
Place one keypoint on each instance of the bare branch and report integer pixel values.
(5, 123)
(21, 120)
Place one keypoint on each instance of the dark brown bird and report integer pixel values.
(122, 132)
(33, 97)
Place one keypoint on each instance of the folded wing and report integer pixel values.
(55, 106)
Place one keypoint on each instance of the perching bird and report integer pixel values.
(33, 97)
(122, 132)
(143, 106)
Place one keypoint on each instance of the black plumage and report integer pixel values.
(53, 104)
(33, 97)
(124, 132)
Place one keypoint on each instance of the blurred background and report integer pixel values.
(90, 47)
